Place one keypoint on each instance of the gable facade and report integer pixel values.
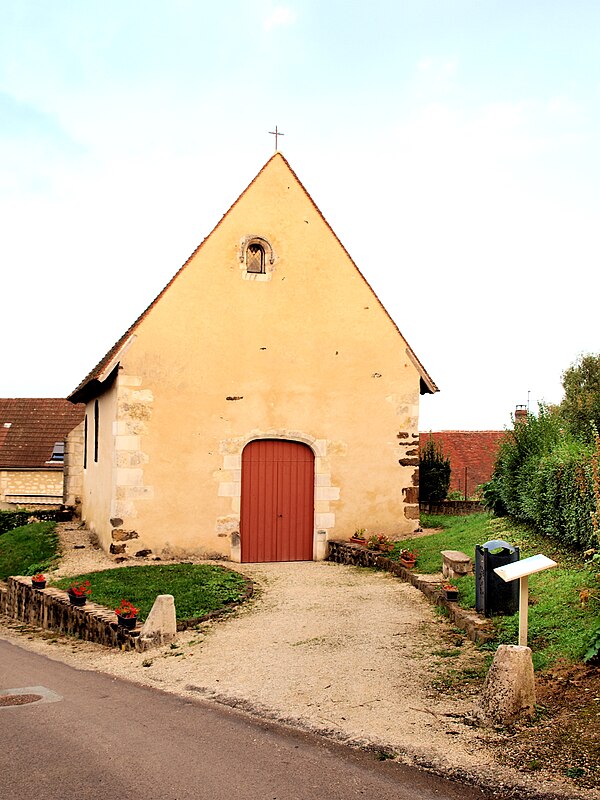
(268, 333)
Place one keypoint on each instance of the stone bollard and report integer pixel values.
(509, 689)
(160, 626)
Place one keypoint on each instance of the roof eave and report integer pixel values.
(426, 384)
(93, 388)
(427, 387)
(96, 385)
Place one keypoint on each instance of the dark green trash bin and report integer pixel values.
(492, 594)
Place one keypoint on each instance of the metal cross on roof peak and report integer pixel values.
(276, 133)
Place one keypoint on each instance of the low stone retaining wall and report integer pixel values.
(478, 628)
(51, 609)
(453, 507)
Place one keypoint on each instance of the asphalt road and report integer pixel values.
(106, 738)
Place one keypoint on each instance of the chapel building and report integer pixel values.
(263, 404)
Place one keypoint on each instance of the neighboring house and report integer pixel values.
(472, 456)
(263, 403)
(32, 437)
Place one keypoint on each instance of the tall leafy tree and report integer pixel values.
(434, 473)
(580, 407)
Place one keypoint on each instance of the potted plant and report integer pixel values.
(379, 541)
(38, 581)
(127, 614)
(408, 558)
(358, 537)
(450, 591)
(79, 593)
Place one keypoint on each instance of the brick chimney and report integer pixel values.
(520, 414)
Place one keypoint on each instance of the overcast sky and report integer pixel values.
(453, 145)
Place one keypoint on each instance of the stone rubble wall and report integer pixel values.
(453, 507)
(51, 609)
(478, 628)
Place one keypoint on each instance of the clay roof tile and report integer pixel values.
(30, 427)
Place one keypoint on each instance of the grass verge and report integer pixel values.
(28, 549)
(197, 588)
(564, 602)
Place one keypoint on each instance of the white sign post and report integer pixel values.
(522, 570)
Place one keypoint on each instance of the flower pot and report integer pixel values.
(408, 562)
(127, 622)
(450, 594)
(38, 584)
(358, 541)
(77, 600)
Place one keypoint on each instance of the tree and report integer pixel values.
(580, 407)
(434, 473)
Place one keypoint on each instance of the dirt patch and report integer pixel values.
(565, 736)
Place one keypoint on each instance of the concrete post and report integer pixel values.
(509, 689)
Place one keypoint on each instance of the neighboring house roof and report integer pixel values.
(30, 427)
(92, 384)
(474, 451)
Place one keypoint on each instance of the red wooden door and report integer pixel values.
(277, 507)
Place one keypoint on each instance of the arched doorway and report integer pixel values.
(277, 504)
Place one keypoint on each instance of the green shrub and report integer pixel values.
(592, 654)
(434, 473)
(9, 520)
(580, 407)
(518, 457)
(543, 477)
(561, 499)
(492, 497)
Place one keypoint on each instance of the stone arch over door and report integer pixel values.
(277, 501)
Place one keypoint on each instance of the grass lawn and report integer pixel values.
(28, 549)
(559, 625)
(197, 588)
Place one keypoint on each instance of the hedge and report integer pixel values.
(545, 477)
(9, 520)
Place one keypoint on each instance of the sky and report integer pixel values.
(452, 145)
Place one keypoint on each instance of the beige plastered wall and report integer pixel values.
(99, 477)
(303, 352)
(23, 488)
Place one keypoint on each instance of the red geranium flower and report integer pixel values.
(126, 609)
(81, 589)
